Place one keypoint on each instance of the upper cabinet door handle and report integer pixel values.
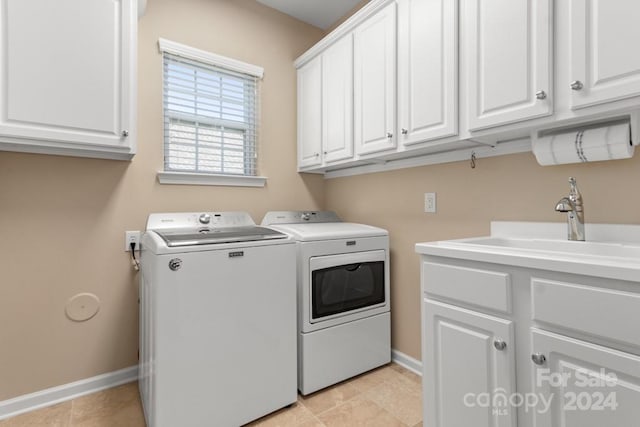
(576, 85)
(541, 94)
(389, 135)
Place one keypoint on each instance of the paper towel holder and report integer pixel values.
(632, 118)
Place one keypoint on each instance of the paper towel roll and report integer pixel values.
(591, 145)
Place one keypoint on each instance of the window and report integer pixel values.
(210, 108)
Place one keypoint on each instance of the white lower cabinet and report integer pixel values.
(546, 349)
(467, 356)
(585, 385)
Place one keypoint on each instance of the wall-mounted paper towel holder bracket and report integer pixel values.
(611, 138)
(633, 118)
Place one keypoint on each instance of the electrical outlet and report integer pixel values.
(430, 202)
(131, 237)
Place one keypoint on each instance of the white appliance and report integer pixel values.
(217, 320)
(344, 319)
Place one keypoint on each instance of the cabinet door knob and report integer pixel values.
(389, 135)
(324, 152)
(538, 358)
(125, 133)
(499, 344)
(541, 94)
(405, 131)
(317, 154)
(576, 85)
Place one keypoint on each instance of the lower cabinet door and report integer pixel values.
(579, 384)
(469, 368)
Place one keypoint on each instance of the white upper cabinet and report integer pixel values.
(438, 76)
(337, 101)
(427, 70)
(67, 77)
(375, 82)
(605, 63)
(310, 113)
(325, 106)
(507, 60)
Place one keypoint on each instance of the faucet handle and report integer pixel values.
(574, 193)
(573, 186)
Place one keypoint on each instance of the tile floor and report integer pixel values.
(389, 396)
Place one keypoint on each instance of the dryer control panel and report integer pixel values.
(299, 217)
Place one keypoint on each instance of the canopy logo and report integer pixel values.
(585, 390)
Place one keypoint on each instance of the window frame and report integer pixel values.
(225, 63)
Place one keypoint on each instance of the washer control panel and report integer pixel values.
(198, 219)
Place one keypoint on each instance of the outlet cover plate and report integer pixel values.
(131, 237)
(430, 202)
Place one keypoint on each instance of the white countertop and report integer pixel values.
(611, 250)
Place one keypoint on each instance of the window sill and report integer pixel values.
(189, 178)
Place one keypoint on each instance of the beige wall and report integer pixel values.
(511, 187)
(62, 219)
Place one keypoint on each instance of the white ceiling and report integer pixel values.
(321, 13)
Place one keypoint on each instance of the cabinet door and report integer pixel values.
(508, 60)
(375, 82)
(427, 70)
(66, 71)
(310, 113)
(464, 367)
(337, 101)
(588, 385)
(604, 52)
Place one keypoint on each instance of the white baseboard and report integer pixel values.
(406, 361)
(53, 395)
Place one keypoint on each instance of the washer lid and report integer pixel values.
(330, 230)
(213, 236)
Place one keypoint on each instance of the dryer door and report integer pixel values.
(347, 284)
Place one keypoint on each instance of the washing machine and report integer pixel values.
(217, 320)
(344, 311)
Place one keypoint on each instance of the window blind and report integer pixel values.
(210, 118)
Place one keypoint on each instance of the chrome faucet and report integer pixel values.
(574, 208)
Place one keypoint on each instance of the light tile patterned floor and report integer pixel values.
(386, 397)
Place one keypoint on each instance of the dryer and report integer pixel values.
(217, 320)
(344, 319)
